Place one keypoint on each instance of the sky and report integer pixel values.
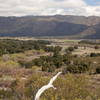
(49, 7)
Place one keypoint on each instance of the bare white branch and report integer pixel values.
(45, 87)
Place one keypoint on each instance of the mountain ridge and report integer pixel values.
(58, 25)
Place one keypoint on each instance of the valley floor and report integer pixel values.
(22, 73)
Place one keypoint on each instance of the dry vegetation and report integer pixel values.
(23, 73)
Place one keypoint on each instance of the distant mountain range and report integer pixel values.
(58, 25)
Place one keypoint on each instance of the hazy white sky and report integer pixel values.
(49, 7)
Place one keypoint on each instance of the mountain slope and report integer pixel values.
(58, 25)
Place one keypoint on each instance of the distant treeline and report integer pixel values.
(95, 42)
(9, 46)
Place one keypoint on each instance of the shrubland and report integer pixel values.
(69, 87)
(9, 46)
(25, 66)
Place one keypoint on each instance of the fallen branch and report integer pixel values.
(45, 87)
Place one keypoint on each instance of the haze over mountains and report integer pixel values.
(58, 25)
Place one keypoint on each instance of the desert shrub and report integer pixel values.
(94, 54)
(76, 47)
(51, 69)
(72, 69)
(35, 68)
(78, 68)
(9, 64)
(96, 47)
(48, 67)
(69, 50)
(67, 58)
(25, 64)
(17, 56)
(69, 87)
(83, 68)
(4, 94)
(98, 70)
(45, 67)
(38, 62)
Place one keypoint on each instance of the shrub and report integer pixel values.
(72, 69)
(9, 64)
(98, 70)
(75, 47)
(5, 94)
(96, 47)
(79, 68)
(71, 49)
(94, 54)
